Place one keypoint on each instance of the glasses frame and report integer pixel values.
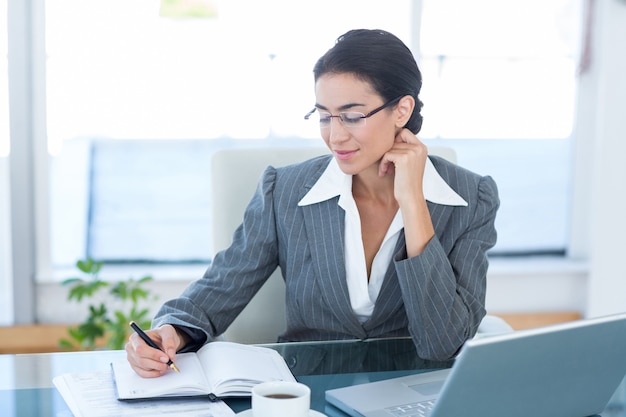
(341, 116)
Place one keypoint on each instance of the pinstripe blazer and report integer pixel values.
(436, 297)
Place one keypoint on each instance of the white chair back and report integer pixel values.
(235, 174)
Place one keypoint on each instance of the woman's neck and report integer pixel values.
(369, 185)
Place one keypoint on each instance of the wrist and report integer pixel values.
(190, 338)
(183, 339)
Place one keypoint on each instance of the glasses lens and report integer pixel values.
(348, 119)
(325, 118)
(352, 119)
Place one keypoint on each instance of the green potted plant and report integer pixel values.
(105, 327)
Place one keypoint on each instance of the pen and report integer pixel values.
(151, 343)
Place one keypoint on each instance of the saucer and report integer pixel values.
(248, 413)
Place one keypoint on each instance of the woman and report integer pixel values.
(377, 240)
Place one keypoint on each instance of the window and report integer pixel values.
(499, 69)
(500, 86)
(133, 115)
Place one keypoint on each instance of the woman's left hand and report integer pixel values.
(407, 157)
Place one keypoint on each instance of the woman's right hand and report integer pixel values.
(148, 362)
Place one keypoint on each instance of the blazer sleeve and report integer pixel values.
(443, 289)
(211, 303)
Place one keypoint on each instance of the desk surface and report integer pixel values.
(26, 387)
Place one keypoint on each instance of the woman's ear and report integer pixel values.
(404, 110)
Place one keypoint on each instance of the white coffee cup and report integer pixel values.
(281, 398)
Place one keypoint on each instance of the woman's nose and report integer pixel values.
(337, 131)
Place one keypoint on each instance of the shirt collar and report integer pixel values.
(334, 182)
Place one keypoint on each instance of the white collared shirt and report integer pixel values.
(333, 182)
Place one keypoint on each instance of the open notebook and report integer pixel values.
(568, 370)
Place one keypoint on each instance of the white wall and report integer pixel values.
(539, 284)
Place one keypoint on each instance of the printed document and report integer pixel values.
(92, 394)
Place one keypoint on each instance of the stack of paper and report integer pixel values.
(93, 395)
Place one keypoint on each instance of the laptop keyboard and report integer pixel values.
(412, 410)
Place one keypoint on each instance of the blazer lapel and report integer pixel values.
(324, 224)
(390, 297)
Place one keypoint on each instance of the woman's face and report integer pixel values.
(359, 147)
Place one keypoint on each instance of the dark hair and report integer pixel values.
(379, 58)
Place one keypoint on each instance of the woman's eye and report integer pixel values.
(325, 118)
(351, 118)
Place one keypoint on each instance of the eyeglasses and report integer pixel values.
(349, 118)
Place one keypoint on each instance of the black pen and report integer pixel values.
(151, 343)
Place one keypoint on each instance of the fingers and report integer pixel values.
(170, 341)
(147, 361)
(408, 152)
(406, 136)
(385, 167)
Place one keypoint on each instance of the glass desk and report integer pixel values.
(26, 387)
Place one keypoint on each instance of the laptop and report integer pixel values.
(569, 370)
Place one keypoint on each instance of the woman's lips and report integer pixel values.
(343, 155)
